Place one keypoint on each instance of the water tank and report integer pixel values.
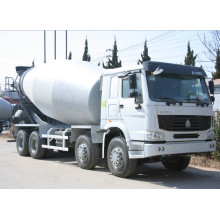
(65, 90)
(5, 109)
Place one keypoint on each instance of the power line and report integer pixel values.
(172, 41)
(180, 48)
(138, 45)
(152, 39)
(204, 61)
(169, 48)
(141, 43)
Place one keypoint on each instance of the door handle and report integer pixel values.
(121, 106)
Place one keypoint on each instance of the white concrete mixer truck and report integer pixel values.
(125, 116)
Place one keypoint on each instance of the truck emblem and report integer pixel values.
(196, 73)
(188, 124)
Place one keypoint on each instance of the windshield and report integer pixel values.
(181, 88)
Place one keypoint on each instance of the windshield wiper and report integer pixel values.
(171, 101)
(199, 102)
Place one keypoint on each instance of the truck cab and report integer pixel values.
(162, 110)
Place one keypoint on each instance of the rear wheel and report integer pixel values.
(22, 143)
(118, 160)
(35, 146)
(176, 163)
(86, 153)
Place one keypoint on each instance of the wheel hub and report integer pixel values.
(34, 144)
(21, 143)
(82, 152)
(116, 157)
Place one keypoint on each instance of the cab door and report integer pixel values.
(113, 99)
(131, 108)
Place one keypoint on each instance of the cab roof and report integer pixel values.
(152, 66)
(122, 69)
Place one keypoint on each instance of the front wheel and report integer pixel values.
(176, 163)
(118, 160)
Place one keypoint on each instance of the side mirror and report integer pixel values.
(211, 87)
(132, 81)
(133, 94)
(212, 99)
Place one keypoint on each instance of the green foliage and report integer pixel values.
(190, 59)
(144, 55)
(216, 75)
(86, 56)
(216, 155)
(70, 56)
(114, 62)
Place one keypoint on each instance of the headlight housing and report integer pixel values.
(154, 136)
(210, 134)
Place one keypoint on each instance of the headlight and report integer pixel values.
(210, 134)
(154, 136)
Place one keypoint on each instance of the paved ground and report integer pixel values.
(60, 171)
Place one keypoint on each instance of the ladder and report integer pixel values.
(60, 136)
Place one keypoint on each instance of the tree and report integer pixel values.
(70, 56)
(86, 56)
(212, 45)
(190, 59)
(216, 75)
(114, 62)
(144, 55)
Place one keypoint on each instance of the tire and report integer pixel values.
(22, 143)
(176, 163)
(1, 129)
(35, 146)
(86, 153)
(118, 160)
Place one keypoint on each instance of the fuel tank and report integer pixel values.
(5, 109)
(65, 90)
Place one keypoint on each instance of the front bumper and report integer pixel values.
(143, 150)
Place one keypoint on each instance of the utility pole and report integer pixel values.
(55, 45)
(66, 45)
(44, 46)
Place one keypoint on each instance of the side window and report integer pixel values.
(127, 92)
(113, 87)
(125, 88)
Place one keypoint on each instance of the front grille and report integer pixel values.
(184, 122)
(177, 136)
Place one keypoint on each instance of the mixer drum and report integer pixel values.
(66, 91)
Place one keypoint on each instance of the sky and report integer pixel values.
(19, 48)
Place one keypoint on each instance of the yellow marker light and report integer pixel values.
(103, 104)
